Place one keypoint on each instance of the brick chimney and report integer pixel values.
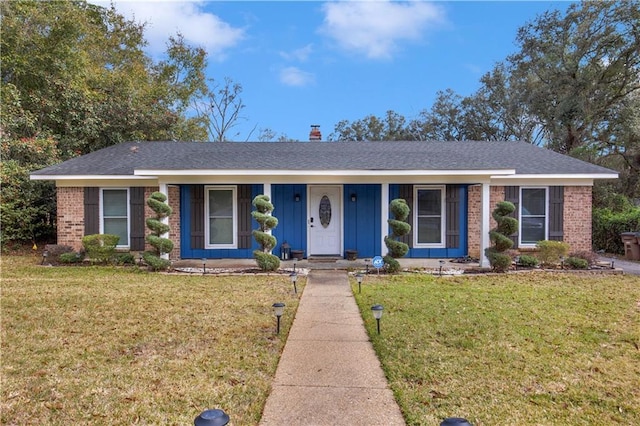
(314, 134)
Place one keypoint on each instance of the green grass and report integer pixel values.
(534, 349)
(119, 346)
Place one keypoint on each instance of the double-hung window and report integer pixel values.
(114, 214)
(533, 215)
(429, 216)
(220, 213)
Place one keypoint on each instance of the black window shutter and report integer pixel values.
(244, 216)
(406, 193)
(452, 211)
(136, 206)
(197, 216)
(512, 194)
(91, 210)
(556, 207)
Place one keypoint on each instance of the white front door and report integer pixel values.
(325, 220)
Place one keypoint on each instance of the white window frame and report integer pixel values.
(443, 222)
(546, 215)
(101, 204)
(234, 198)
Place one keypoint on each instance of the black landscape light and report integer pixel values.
(561, 262)
(377, 314)
(278, 310)
(204, 265)
(294, 278)
(441, 265)
(359, 278)
(213, 417)
(45, 255)
(140, 259)
(455, 421)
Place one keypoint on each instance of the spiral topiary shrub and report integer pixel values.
(399, 228)
(262, 214)
(497, 254)
(160, 245)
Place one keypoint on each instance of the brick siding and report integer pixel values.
(577, 216)
(577, 211)
(474, 211)
(70, 216)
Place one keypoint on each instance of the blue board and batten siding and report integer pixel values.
(456, 204)
(187, 250)
(362, 221)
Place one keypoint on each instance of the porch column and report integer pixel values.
(164, 189)
(384, 209)
(267, 191)
(485, 215)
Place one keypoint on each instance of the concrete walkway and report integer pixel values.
(328, 373)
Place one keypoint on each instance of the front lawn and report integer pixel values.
(525, 349)
(119, 346)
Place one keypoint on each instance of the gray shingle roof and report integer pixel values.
(123, 159)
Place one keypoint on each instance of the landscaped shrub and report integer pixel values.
(262, 214)
(550, 252)
(589, 256)
(528, 261)
(498, 255)
(70, 258)
(100, 248)
(608, 225)
(153, 258)
(125, 259)
(399, 227)
(576, 263)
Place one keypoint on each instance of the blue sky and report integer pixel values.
(312, 62)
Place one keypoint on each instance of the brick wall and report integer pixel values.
(70, 216)
(474, 212)
(577, 217)
(174, 221)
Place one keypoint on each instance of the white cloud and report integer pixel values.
(293, 76)
(300, 55)
(376, 28)
(166, 18)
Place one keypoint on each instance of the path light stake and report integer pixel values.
(278, 309)
(294, 265)
(204, 265)
(561, 262)
(612, 267)
(212, 418)
(377, 314)
(359, 278)
(45, 254)
(140, 259)
(455, 421)
(294, 277)
(441, 265)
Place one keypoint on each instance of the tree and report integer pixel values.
(161, 245)
(27, 208)
(371, 128)
(262, 214)
(577, 71)
(75, 79)
(219, 107)
(78, 72)
(399, 228)
(497, 254)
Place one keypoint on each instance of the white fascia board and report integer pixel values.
(325, 172)
(561, 176)
(551, 179)
(89, 177)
